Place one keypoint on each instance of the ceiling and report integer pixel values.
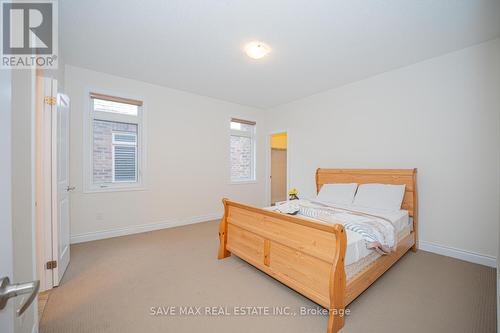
(197, 45)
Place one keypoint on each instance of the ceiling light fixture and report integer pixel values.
(257, 50)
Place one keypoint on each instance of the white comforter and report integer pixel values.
(378, 231)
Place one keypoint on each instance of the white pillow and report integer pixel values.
(337, 193)
(380, 196)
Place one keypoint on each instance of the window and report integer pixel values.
(242, 147)
(114, 157)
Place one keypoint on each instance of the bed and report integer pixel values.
(309, 256)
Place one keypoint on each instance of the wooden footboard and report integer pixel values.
(306, 256)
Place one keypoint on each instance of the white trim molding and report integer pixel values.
(89, 115)
(458, 253)
(137, 229)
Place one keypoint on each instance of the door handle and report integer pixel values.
(8, 290)
(70, 188)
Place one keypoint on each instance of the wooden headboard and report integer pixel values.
(381, 176)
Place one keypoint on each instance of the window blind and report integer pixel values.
(125, 163)
(242, 121)
(116, 99)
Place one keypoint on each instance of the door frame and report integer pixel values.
(44, 178)
(268, 163)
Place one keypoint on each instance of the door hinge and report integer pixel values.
(50, 100)
(51, 264)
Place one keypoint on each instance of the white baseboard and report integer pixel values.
(458, 254)
(136, 229)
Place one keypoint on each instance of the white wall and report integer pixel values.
(440, 116)
(187, 172)
(58, 73)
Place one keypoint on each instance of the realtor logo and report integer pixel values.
(29, 34)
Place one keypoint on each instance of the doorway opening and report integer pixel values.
(279, 167)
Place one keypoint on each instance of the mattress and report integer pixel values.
(352, 269)
(356, 245)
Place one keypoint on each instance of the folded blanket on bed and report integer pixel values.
(378, 232)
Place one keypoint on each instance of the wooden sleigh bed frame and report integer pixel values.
(308, 256)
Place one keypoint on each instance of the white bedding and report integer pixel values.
(356, 245)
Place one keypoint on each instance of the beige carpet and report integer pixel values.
(111, 285)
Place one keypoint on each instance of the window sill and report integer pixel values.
(242, 182)
(113, 189)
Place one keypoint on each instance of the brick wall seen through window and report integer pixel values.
(242, 151)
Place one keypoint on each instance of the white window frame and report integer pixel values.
(252, 136)
(88, 133)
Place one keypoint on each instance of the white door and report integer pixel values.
(6, 314)
(17, 300)
(278, 175)
(61, 219)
